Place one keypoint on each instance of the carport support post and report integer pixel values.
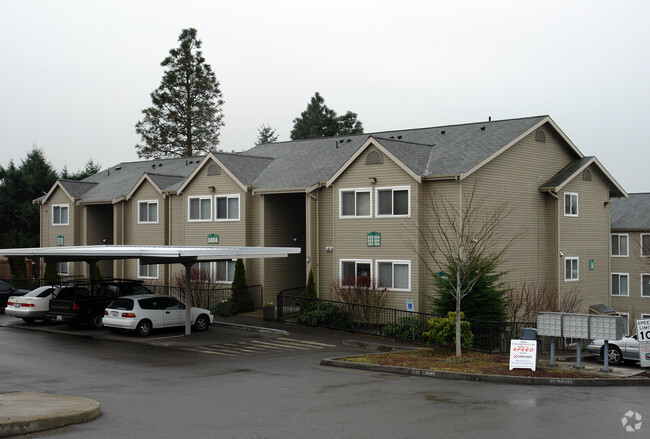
(188, 298)
(606, 357)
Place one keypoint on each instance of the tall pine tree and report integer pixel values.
(266, 134)
(320, 121)
(186, 115)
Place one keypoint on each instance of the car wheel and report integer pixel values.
(143, 329)
(202, 323)
(29, 320)
(96, 321)
(615, 355)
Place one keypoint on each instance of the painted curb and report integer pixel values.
(333, 362)
(53, 411)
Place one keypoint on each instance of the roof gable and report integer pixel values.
(73, 189)
(572, 170)
(159, 182)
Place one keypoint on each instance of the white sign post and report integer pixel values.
(523, 354)
(643, 336)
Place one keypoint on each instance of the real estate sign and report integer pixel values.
(643, 336)
(523, 354)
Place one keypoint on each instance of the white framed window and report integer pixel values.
(620, 284)
(626, 322)
(571, 270)
(60, 214)
(63, 268)
(570, 204)
(226, 208)
(351, 270)
(645, 284)
(620, 244)
(393, 201)
(201, 271)
(355, 203)
(645, 244)
(147, 271)
(394, 275)
(224, 271)
(645, 316)
(199, 209)
(148, 212)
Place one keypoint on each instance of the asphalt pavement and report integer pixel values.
(31, 412)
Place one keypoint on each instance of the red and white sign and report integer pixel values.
(523, 354)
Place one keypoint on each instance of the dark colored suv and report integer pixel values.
(85, 303)
(7, 291)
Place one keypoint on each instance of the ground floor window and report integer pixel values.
(63, 268)
(220, 271)
(353, 271)
(394, 275)
(147, 271)
(620, 284)
(571, 269)
(626, 322)
(645, 285)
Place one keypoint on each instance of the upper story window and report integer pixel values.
(619, 244)
(645, 285)
(394, 275)
(355, 203)
(645, 244)
(570, 204)
(571, 272)
(200, 209)
(620, 284)
(227, 207)
(60, 214)
(393, 201)
(147, 212)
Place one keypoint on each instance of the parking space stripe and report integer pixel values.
(258, 346)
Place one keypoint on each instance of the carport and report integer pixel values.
(185, 255)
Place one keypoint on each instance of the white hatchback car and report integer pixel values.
(32, 306)
(144, 312)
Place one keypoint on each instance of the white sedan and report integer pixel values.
(144, 312)
(32, 306)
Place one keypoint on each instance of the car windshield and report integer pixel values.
(40, 292)
(122, 304)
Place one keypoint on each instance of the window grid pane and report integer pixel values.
(363, 203)
(233, 208)
(222, 208)
(143, 212)
(347, 203)
(385, 201)
(385, 274)
(153, 212)
(401, 277)
(645, 285)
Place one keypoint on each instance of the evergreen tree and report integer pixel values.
(51, 275)
(320, 121)
(241, 298)
(186, 115)
(91, 168)
(266, 134)
(19, 186)
(310, 293)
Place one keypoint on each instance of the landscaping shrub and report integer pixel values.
(324, 314)
(406, 329)
(442, 331)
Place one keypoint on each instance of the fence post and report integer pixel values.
(280, 306)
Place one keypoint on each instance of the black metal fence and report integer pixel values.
(489, 336)
(207, 296)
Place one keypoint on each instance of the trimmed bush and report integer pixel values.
(405, 328)
(324, 314)
(442, 331)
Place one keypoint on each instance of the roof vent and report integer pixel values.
(392, 137)
(349, 140)
(482, 128)
(399, 137)
(117, 168)
(160, 164)
(443, 132)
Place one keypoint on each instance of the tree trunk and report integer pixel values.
(458, 339)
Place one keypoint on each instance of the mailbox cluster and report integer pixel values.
(580, 326)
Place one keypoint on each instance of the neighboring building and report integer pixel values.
(630, 250)
(351, 204)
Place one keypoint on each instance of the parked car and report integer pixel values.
(6, 291)
(32, 306)
(626, 348)
(85, 303)
(143, 313)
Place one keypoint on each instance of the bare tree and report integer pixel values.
(468, 236)
(525, 301)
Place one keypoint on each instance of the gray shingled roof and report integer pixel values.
(76, 188)
(566, 173)
(631, 214)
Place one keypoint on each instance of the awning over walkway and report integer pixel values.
(185, 255)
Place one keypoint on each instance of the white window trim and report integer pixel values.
(67, 206)
(565, 273)
(61, 272)
(577, 204)
(645, 316)
(355, 190)
(199, 197)
(641, 282)
(157, 211)
(393, 188)
(611, 286)
(157, 276)
(213, 272)
(393, 262)
(227, 197)
(641, 245)
(356, 261)
(627, 236)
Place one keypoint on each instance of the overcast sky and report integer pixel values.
(76, 75)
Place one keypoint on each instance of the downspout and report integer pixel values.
(316, 199)
(539, 203)
(559, 265)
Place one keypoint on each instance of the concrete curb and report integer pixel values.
(259, 329)
(376, 346)
(24, 412)
(333, 362)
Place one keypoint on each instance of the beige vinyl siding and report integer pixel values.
(253, 237)
(325, 270)
(71, 233)
(587, 237)
(635, 266)
(398, 235)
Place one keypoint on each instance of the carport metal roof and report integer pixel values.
(185, 255)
